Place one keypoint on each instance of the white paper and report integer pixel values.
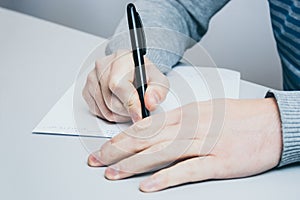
(187, 84)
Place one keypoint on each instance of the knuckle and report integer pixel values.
(110, 151)
(85, 93)
(98, 64)
(91, 78)
(101, 67)
(114, 85)
(94, 92)
(136, 145)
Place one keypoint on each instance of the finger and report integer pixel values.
(157, 89)
(191, 170)
(97, 105)
(116, 106)
(148, 132)
(93, 108)
(111, 153)
(88, 97)
(140, 136)
(156, 126)
(157, 156)
(121, 84)
(103, 70)
(107, 114)
(127, 94)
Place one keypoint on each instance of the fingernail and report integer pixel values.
(112, 173)
(93, 161)
(153, 101)
(149, 185)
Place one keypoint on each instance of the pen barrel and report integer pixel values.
(138, 44)
(140, 80)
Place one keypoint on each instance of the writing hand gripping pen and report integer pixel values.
(138, 44)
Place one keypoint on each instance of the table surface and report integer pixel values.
(39, 60)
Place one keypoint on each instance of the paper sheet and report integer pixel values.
(70, 115)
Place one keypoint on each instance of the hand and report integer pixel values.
(110, 93)
(218, 139)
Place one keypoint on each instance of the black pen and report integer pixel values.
(138, 44)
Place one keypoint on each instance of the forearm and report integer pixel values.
(170, 27)
(289, 108)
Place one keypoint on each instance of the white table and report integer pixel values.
(38, 62)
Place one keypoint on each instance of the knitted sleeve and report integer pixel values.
(289, 107)
(170, 26)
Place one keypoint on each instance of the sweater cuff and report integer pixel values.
(289, 107)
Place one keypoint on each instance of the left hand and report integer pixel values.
(217, 139)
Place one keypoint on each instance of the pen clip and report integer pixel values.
(143, 39)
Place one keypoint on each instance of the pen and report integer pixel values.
(138, 44)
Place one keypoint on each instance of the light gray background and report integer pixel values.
(239, 37)
(38, 62)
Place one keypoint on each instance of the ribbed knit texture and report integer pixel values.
(289, 107)
(184, 22)
(173, 27)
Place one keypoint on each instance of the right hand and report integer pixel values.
(110, 93)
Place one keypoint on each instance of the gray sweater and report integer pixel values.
(173, 26)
